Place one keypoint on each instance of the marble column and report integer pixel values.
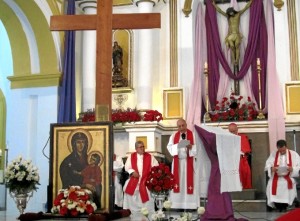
(88, 59)
(145, 59)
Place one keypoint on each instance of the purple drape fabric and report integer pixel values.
(67, 103)
(219, 205)
(197, 94)
(256, 48)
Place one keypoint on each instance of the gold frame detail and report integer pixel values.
(173, 103)
(99, 141)
(292, 93)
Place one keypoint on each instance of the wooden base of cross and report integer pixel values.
(236, 82)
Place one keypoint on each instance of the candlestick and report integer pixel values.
(205, 65)
(260, 112)
(258, 62)
(206, 115)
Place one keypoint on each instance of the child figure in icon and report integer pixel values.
(92, 178)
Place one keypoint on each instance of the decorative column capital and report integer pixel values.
(137, 2)
(278, 4)
(87, 6)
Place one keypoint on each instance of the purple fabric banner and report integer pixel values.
(67, 99)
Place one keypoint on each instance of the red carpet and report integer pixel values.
(293, 215)
(92, 217)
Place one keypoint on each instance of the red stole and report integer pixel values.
(133, 181)
(245, 145)
(189, 163)
(287, 177)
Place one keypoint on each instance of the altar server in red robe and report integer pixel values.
(136, 194)
(244, 169)
(183, 149)
(282, 165)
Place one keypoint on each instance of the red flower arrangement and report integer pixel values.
(89, 116)
(232, 110)
(73, 201)
(122, 116)
(160, 180)
(129, 115)
(152, 115)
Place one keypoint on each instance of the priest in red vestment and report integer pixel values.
(183, 149)
(282, 165)
(244, 169)
(136, 195)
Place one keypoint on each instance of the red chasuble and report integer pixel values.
(133, 182)
(189, 163)
(287, 177)
(244, 168)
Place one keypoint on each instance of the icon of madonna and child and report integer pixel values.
(82, 166)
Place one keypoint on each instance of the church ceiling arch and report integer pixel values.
(35, 55)
(17, 38)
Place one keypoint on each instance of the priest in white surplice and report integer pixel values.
(117, 171)
(136, 194)
(282, 165)
(182, 147)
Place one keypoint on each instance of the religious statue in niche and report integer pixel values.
(234, 37)
(117, 55)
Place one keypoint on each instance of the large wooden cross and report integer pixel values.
(104, 22)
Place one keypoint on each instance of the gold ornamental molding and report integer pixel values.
(278, 4)
(173, 44)
(292, 25)
(140, 1)
(187, 8)
(34, 80)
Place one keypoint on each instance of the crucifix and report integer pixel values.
(234, 38)
(104, 22)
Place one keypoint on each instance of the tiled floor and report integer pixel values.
(257, 216)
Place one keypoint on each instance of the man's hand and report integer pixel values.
(189, 146)
(135, 174)
(290, 169)
(274, 169)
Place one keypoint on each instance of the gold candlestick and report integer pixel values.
(206, 115)
(260, 115)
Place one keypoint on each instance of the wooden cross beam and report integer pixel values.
(104, 22)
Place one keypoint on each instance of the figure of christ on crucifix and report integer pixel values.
(234, 37)
(104, 22)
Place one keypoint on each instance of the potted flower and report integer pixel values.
(21, 178)
(73, 201)
(159, 182)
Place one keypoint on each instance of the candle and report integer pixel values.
(258, 61)
(205, 65)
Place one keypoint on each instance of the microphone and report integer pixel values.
(183, 136)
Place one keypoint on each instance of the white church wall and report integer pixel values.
(121, 141)
(297, 9)
(185, 54)
(282, 45)
(29, 115)
(161, 61)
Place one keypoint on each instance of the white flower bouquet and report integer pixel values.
(21, 176)
(73, 201)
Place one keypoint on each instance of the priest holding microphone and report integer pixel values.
(182, 147)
